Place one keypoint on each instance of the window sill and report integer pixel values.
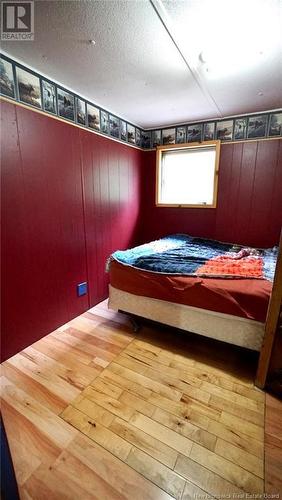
(177, 205)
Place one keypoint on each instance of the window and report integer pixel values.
(187, 175)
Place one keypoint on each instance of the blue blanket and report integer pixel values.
(190, 256)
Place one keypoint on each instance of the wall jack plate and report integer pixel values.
(82, 289)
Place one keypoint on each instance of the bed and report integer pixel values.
(207, 287)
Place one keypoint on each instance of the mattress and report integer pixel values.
(245, 298)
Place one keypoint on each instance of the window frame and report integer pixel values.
(184, 146)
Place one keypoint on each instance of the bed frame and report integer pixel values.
(232, 329)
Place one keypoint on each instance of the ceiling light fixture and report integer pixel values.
(222, 48)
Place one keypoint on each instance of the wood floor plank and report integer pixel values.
(32, 387)
(96, 342)
(101, 316)
(52, 426)
(132, 352)
(97, 432)
(177, 360)
(149, 347)
(71, 468)
(65, 390)
(105, 330)
(230, 395)
(240, 457)
(62, 351)
(99, 363)
(273, 464)
(192, 492)
(126, 480)
(187, 408)
(249, 392)
(146, 382)
(273, 410)
(216, 377)
(136, 349)
(157, 473)
(229, 372)
(242, 426)
(152, 360)
(126, 384)
(273, 445)
(161, 433)
(251, 416)
(227, 470)
(104, 314)
(144, 441)
(107, 388)
(132, 363)
(137, 403)
(201, 408)
(232, 435)
(111, 404)
(53, 485)
(185, 428)
(94, 411)
(78, 374)
(85, 347)
(205, 479)
(180, 409)
(29, 446)
(170, 377)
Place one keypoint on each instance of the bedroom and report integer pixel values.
(130, 123)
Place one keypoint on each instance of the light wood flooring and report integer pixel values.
(93, 411)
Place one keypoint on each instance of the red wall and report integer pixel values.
(249, 209)
(69, 197)
(111, 177)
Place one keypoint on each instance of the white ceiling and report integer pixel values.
(145, 64)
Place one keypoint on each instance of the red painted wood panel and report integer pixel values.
(69, 198)
(225, 212)
(249, 209)
(246, 186)
(263, 190)
(111, 177)
(43, 255)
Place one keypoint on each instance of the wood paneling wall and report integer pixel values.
(111, 177)
(69, 197)
(249, 209)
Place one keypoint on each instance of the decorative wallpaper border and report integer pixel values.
(238, 128)
(23, 85)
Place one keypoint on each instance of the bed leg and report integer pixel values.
(135, 325)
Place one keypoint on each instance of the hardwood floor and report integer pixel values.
(273, 446)
(94, 411)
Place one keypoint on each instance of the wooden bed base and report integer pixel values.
(232, 329)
